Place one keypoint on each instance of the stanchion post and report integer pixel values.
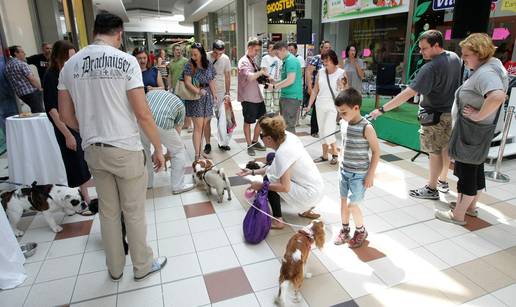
(496, 175)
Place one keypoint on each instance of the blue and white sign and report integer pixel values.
(438, 5)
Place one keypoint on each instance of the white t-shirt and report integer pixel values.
(273, 65)
(306, 187)
(324, 97)
(301, 60)
(98, 78)
(222, 65)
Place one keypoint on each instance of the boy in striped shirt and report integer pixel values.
(357, 169)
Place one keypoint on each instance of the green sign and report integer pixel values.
(335, 10)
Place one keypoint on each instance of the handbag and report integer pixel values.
(256, 225)
(183, 92)
(470, 141)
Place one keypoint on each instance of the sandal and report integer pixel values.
(447, 216)
(320, 159)
(334, 160)
(86, 213)
(309, 214)
(470, 213)
(278, 227)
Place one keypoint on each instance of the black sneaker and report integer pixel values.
(207, 149)
(443, 186)
(258, 146)
(425, 193)
(224, 148)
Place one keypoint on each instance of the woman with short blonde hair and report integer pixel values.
(294, 177)
(475, 114)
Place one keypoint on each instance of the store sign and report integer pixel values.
(438, 5)
(509, 5)
(336, 10)
(280, 6)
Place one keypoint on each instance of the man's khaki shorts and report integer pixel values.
(434, 139)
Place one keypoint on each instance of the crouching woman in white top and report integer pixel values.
(293, 176)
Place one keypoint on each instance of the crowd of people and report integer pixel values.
(107, 117)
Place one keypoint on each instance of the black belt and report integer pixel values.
(103, 145)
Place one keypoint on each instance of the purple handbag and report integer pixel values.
(256, 224)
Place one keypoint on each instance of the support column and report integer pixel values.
(212, 25)
(241, 30)
(197, 31)
(317, 26)
(148, 40)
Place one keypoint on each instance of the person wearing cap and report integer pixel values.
(222, 65)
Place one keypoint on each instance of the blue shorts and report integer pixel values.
(352, 186)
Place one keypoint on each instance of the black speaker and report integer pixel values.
(304, 31)
(470, 17)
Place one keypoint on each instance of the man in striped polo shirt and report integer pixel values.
(168, 112)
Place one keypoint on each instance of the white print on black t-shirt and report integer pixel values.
(103, 67)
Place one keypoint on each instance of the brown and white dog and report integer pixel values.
(292, 266)
(44, 198)
(211, 177)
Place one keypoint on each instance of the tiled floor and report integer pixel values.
(410, 258)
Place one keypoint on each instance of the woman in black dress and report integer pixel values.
(69, 140)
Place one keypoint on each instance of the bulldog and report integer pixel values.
(43, 198)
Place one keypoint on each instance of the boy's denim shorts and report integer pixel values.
(352, 186)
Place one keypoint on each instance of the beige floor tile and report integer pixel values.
(314, 266)
(504, 262)
(278, 243)
(484, 275)
(405, 295)
(508, 210)
(512, 251)
(323, 290)
(455, 286)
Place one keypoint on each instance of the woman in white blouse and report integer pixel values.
(330, 81)
(293, 176)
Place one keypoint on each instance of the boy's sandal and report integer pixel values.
(86, 213)
(320, 159)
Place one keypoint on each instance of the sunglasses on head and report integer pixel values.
(197, 45)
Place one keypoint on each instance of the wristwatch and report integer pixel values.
(382, 110)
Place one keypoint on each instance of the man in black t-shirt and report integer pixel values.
(41, 60)
(437, 82)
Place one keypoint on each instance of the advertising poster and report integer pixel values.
(335, 10)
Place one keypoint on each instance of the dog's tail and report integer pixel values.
(284, 295)
(224, 176)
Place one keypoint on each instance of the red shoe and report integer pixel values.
(358, 239)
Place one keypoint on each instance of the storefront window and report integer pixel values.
(226, 30)
(380, 39)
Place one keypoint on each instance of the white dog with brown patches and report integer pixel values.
(212, 178)
(43, 198)
(292, 266)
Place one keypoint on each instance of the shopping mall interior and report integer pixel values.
(402, 224)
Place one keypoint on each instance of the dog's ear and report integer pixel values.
(193, 165)
(34, 184)
(319, 235)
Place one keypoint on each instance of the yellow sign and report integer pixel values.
(281, 5)
(509, 5)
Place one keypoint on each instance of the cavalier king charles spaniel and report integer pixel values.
(292, 266)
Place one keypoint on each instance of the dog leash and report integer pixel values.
(274, 218)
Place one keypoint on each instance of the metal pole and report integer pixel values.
(496, 175)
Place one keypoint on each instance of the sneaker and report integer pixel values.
(343, 237)
(224, 148)
(187, 187)
(315, 135)
(258, 146)
(358, 239)
(251, 152)
(443, 186)
(157, 265)
(425, 193)
(207, 149)
(116, 278)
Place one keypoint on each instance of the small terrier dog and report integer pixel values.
(212, 178)
(292, 266)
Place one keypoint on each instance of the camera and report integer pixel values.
(263, 80)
